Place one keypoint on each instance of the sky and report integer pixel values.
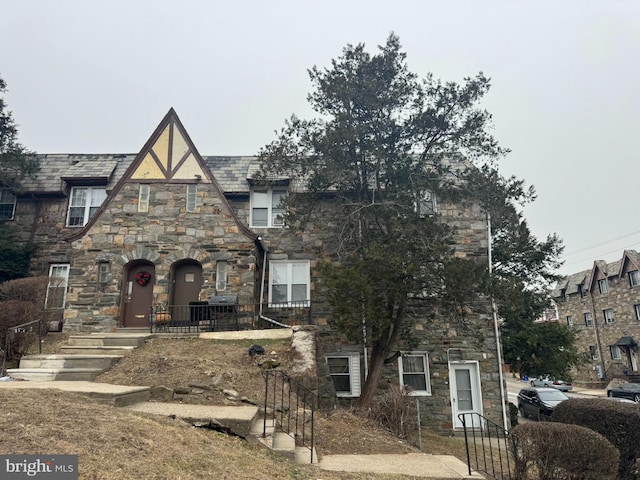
(98, 76)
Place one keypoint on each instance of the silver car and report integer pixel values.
(551, 383)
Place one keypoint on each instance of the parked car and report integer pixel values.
(539, 402)
(629, 391)
(552, 383)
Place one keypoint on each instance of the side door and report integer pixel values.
(466, 396)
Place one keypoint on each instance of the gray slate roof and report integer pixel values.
(230, 172)
(612, 269)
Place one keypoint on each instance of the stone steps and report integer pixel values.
(280, 442)
(82, 359)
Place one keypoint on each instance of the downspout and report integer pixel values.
(596, 331)
(264, 270)
(497, 332)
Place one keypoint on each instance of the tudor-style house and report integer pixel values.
(603, 306)
(168, 239)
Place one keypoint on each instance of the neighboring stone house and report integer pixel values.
(603, 306)
(124, 237)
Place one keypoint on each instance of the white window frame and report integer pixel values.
(636, 308)
(603, 285)
(58, 278)
(634, 278)
(291, 266)
(90, 204)
(143, 197)
(263, 199)
(426, 204)
(7, 197)
(192, 196)
(569, 321)
(353, 366)
(607, 313)
(221, 276)
(616, 353)
(588, 319)
(427, 377)
(583, 291)
(593, 351)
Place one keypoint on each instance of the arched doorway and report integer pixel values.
(138, 294)
(186, 282)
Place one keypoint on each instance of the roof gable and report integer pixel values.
(169, 156)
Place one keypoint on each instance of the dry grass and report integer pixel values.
(114, 443)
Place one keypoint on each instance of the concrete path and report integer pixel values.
(416, 464)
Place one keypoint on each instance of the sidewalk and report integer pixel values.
(435, 467)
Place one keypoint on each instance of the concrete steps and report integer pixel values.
(82, 359)
(280, 442)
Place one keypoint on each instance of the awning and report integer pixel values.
(626, 342)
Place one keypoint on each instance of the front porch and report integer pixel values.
(200, 317)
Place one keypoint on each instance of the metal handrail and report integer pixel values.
(7, 342)
(287, 391)
(478, 440)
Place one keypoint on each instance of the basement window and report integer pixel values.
(344, 371)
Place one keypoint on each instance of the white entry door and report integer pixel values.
(466, 397)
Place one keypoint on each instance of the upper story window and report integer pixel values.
(192, 193)
(57, 286)
(634, 278)
(7, 204)
(85, 201)
(603, 285)
(344, 371)
(569, 321)
(413, 368)
(143, 197)
(636, 308)
(608, 316)
(583, 291)
(426, 204)
(593, 352)
(588, 319)
(290, 282)
(266, 210)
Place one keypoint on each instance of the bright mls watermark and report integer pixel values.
(49, 467)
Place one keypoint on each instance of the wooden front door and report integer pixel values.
(138, 295)
(187, 282)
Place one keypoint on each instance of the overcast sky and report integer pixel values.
(98, 76)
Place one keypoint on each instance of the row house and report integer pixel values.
(167, 239)
(603, 306)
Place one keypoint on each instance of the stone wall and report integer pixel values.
(163, 235)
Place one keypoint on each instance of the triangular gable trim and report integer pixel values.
(631, 257)
(159, 167)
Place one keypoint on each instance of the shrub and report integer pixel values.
(513, 414)
(557, 451)
(22, 302)
(396, 410)
(617, 422)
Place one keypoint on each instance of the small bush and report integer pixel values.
(396, 410)
(23, 302)
(513, 414)
(557, 451)
(617, 422)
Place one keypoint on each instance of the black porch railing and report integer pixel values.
(289, 407)
(488, 447)
(207, 317)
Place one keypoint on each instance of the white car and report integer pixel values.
(552, 383)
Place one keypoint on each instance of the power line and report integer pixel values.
(600, 244)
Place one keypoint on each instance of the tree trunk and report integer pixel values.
(373, 379)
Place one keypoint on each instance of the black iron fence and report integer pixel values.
(207, 317)
(489, 447)
(289, 407)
